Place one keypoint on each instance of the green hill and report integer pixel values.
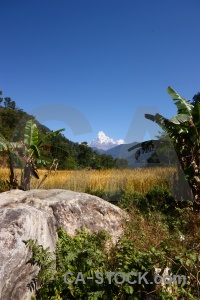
(69, 154)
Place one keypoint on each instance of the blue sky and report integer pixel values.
(99, 64)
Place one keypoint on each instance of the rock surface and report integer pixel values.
(37, 214)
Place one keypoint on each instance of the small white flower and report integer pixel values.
(181, 237)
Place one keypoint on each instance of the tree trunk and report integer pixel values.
(26, 177)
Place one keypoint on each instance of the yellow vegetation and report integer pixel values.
(139, 180)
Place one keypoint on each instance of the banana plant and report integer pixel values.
(9, 149)
(25, 154)
(184, 132)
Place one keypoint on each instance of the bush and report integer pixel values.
(158, 199)
(142, 247)
(158, 233)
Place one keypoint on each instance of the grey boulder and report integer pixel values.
(37, 214)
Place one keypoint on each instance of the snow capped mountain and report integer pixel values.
(104, 142)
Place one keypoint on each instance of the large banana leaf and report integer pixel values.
(180, 118)
(169, 127)
(4, 144)
(34, 150)
(49, 136)
(42, 162)
(31, 134)
(16, 158)
(16, 145)
(182, 104)
(44, 141)
(157, 143)
(10, 148)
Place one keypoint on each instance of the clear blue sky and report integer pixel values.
(99, 61)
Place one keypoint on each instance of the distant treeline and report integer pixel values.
(71, 156)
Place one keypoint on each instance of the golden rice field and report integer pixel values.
(139, 180)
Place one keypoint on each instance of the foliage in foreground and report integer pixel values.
(183, 131)
(25, 155)
(153, 237)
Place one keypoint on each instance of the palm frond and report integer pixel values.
(49, 136)
(31, 133)
(183, 105)
(34, 149)
(169, 127)
(180, 118)
(4, 144)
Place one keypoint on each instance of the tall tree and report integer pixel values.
(196, 99)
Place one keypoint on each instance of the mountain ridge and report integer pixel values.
(103, 142)
(117, 149)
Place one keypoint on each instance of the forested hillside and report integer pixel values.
(69, 154)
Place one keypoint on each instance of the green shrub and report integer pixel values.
(137, 251)
(159, 233)
(158, 199)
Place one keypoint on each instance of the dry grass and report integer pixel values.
(139, 180)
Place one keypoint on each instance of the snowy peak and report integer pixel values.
(101, 137)
(104, 142)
